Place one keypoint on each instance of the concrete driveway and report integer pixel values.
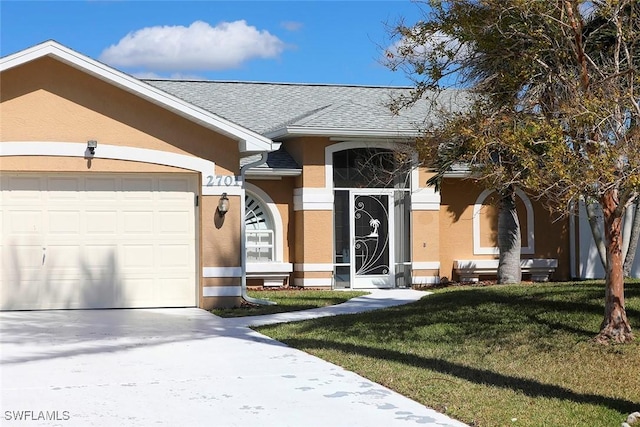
(183, 367)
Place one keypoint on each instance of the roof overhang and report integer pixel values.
(459, 170)
(293, 131)
(272, 172)
(248, 141)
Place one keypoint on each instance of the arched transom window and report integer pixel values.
(259, 230)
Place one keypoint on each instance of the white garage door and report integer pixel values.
(97, 241)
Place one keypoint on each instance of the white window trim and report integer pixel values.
(493, 250)
(348, 145)
(268, 203)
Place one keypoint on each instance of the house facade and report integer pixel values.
(120, 192)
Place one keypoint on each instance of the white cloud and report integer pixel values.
(197, 47)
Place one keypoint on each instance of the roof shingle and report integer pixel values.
(267, 108)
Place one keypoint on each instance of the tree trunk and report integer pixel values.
(615, 327)
(594, 224)
(509, 240)
(632, 248)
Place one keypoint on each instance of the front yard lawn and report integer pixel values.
(519, 355)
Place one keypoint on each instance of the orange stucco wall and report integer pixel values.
(425, 236)
(317, 245)
(46, 100)
(312, 238)
(456, 229)
(309, 153)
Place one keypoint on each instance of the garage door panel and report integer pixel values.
(61, 292)
(138, 188)
(101, 188)
(99, 241)
(63, 259)
(101, 222)
(20, 257)
(25, 188)
(172, 289)
(100, 255)
(64, 222)
(172, 256)
(138, 222)
(23, 222)
(64, 188)
(138, 257)
(20, 295)
(174, 222)
(138, 292)
(172, 187)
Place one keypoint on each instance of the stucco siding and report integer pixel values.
(551, 239)
(426, 236)
(46, 100)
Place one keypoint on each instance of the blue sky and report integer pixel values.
(277, 41)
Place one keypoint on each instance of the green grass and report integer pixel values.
(491, 355)
(288, 300)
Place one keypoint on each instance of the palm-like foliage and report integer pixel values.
(556, 108)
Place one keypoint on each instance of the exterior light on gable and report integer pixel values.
(223, 205)
(91, 145)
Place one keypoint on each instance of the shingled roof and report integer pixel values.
(278, 110)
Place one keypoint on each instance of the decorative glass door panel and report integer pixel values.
(372, 264)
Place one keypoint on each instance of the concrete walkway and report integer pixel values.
(185, 367)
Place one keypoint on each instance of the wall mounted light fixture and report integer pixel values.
(223, 205)
(91, 145)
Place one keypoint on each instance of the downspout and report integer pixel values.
(243, 231)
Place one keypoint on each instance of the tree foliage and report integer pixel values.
(555, 106)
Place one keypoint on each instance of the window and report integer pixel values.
(370, 168)
(259, 231)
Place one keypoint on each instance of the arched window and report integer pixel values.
(526, 217)
(259, 230)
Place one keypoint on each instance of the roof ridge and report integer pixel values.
(300, 117)
(265, 83)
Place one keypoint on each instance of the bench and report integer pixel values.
(272, 273)
(470, 270)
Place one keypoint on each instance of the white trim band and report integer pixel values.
(222, 291)
(316, 267)
(222, 272)
(311, 283)
(425, 280)
(425, 199)
(312, 199)
(269, 267)
(117, 152)
(425, 265)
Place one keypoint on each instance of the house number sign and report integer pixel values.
(222, 181)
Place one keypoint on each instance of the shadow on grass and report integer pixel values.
(528, 387)
(490, 313)
(542, 318)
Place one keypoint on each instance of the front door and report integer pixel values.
(372, 264)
